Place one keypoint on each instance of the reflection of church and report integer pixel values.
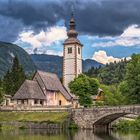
(45, 89)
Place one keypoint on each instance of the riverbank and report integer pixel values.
(127, 124)
(34, 120)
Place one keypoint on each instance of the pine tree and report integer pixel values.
(14, 78)
(7, 83)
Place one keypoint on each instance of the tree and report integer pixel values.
(1, 94)
(112, 73)
(84, 87)
(14, 78)
(133, 79)
(1, 91)
(7, 83)
(112, 96)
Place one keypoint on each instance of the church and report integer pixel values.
(45, 89)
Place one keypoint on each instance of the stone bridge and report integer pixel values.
(92, 118)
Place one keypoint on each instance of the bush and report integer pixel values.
(73, 126)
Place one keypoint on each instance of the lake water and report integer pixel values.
(69, 135)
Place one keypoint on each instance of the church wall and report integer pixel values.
(61, 98)
(79, 66)
(69, 66)
(79, 60)
(51, 98)
(68, 79)
(72, 65)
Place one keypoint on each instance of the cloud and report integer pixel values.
(52, 35)
(102, 57)
(10, 28)
(129, 38)
(44, 51)
(94, 17)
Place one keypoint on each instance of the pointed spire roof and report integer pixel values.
(72, 33)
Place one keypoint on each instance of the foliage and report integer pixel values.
(13, 78)
(7, 127)
(73, 125)
(128, 124)
(133, 79)
(84, 86)
(112, 96)
(1, 94)
(112, 73)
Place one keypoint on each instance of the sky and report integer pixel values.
(108, 29)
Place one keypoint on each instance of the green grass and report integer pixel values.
(8, 127)
(53, 117)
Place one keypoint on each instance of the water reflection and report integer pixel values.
(66, 135)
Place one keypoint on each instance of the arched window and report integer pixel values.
(69, 50)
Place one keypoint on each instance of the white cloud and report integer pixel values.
(130, 37)
(52, 35)
(102, 57)
(44, 51)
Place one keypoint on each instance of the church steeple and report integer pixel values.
(72, 54)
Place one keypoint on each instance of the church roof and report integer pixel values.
(72, 33)
(29, 90)
(72, 40)
(52, 83)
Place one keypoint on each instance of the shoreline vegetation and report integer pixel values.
(25, 120)
(127, 125)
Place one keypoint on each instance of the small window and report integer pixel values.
(60, 102)
(78, 50)
(41, 102)
(22, 101)
(35, 101)
(69, 50)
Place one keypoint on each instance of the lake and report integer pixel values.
(67, 135)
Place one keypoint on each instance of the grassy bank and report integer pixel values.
(128, 125)
(54, 117)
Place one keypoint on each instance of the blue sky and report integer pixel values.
(108, 29)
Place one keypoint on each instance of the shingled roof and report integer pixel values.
(29, 90)
(52, 83)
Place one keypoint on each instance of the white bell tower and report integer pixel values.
(72, 55)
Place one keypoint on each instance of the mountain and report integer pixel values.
(52, 63)
(30, 63)
(88, 63)
(7, 53)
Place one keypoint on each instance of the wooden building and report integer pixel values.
(45, 89)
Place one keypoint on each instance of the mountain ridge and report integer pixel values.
(8, 51)
(30, 63)
(53, 63)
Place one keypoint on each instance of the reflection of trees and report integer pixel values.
(36, 134)
(57, 134)
(106, 136)
(89, 135)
